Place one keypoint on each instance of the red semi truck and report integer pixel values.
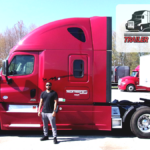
(132, 83)
(75, 55)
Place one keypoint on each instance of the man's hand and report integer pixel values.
(39, 113)
(54, 114)
(55, 106)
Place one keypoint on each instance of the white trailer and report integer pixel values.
(145, 71)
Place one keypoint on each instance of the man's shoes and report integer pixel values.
(55, 140)
(44, 138)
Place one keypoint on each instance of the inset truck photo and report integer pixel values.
(140, 21)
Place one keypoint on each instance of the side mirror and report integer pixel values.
(5, 71)
(5, 67)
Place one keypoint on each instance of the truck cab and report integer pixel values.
(72, 54)
(130, 83)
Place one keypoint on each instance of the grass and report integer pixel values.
(114, 87)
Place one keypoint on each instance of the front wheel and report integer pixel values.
(140, 123)
(141, 28)
(130, 88)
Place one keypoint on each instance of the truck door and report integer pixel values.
(76, 112)
(23, 70)
(20, 97)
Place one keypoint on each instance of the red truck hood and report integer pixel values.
(128, 77)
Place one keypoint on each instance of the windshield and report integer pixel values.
(133, 74)
(137, 16)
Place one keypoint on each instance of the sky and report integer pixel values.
(40, 12)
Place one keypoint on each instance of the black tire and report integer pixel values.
(140, 123)
(130, 88)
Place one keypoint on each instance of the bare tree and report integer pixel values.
(11, 36)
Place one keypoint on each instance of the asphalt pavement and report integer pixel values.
(72, 140)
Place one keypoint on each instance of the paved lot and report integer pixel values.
(78, 140)
(70, 140)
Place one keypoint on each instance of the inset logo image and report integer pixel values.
(140, 22)
(133, 28)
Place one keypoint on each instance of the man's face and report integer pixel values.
(48, 86)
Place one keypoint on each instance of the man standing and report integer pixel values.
(49, 101)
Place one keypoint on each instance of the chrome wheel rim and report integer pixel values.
(131, 88)
(143, 123)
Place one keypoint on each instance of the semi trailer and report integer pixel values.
(75, 55)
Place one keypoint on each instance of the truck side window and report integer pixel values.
(21, 65)
(78, 68)
(77, 33)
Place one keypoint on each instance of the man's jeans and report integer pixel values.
(48, 117)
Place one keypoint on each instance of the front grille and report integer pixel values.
(131, 24)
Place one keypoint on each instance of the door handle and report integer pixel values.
(33, 93)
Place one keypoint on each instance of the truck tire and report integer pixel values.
(141, 28)
(130, 88)
(140, 123)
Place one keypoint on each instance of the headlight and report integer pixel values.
(119, 81)
(123, 83)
